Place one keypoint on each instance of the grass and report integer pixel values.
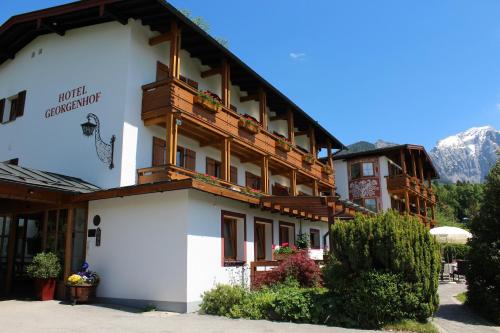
(462, 297)
(412, 326)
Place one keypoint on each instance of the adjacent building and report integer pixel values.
(397, 177)
(135, 141)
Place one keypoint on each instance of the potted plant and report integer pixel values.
(283, 144)
(284, 251)
(44, 268)
(82, 285)
(249, 124)
(327, 170)
(303, 241)
(308, 159)
(209, 101)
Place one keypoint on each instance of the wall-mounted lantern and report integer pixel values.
(104, 151)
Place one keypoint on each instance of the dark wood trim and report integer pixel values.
(314, 230)
(261, 220)
(227, 213)
(289, 225)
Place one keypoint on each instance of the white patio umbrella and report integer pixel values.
(451, 235)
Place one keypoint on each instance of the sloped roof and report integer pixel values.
(36, 178)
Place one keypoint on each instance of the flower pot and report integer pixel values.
(281, 256)
(327, 170)
(45, 289)
(307, 159)
(248, 126)
(207, 105)
(283, 146)
(82, 294)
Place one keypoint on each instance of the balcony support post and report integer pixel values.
(329, 154)
(171, 138)
(175, 48)
(315, 188)
(293, 183)
(402, 160)
(413, 164)
(226, 84)
(265, 175)
(418, 205)
(263, 108)
(226, 159)
(291, 127)
(407, 202)
(312, 142)
(421, 169)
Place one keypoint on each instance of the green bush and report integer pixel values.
(221, 299)
(45, 265)
(454, 251)
(378, 261)
(483, 275)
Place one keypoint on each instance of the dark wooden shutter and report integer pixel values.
(190, 162)
(279, 189)
(234, 175)
(2, 107)
(210, 167)
(21, 101)
(162, 71)
(159, 151)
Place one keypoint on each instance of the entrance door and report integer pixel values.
(27, 244)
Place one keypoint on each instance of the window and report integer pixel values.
(287, 233)
(315, 239)
(263, 239)
(12, 107)
(368, 170)
(371, 204)
(358, 202)
(234, 175)
(230, 238)
(355, 171)
(252, 181)
(186, 158)
(213, 167)
(279, 189)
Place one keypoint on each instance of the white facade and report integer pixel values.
(168, 247)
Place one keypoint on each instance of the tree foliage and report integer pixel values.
(393, 251)
(483, 276)
(457, 203)
(204, 25)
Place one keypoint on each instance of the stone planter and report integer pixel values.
(248, 126)
(283, 146)
(82, 294)
(207, 105)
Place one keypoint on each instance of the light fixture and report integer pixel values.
(104, 151)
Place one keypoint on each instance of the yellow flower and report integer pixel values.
(75, 279)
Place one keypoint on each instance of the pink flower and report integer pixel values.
(274, 246)
(284, 244)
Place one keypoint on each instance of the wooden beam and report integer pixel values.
(226, 84)
(329, 154)
(413, 164)
(407, 202)
(402, 160)
(175, 49)
(51, 26)
(421, 168)
(264, 179)
(226, 160)
(68, 243)
(291, 126)
(160, 39)
(45, 225)
(254, 97)
(315, 188)
(11, 249)
(171, 139)
(293, 183)
(263, 108)
(105, 12)
(312, 141)
(211, 72)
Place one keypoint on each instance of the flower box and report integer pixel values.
(308, 159)
(82, 293)
(327, 170)
(283, 145)
(249, 126)
(281, 256)
(209, 101)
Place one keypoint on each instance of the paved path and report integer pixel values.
(53, 317)
(453, 317)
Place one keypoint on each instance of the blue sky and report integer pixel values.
(402, 71)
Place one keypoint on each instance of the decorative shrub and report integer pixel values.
(303, 241)
(221, 299)
(45, 265)
(483, 275)
(395, 253)
(84, 277)
(285, 248)
(454, 251)
(298, 267)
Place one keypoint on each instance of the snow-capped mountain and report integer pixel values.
(467, 156)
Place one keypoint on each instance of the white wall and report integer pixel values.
(341, 178)
(143, 247)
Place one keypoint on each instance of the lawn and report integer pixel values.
(462, 297)
(411, 326)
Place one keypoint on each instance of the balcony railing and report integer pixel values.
(400, 182)
(160, 97)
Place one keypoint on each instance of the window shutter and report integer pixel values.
(21, 101)
(2, 107)
(159, 151)
(210, 167)
(234, 175)
(190, 156)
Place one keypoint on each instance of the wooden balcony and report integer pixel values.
(172, 95)
(403, 182)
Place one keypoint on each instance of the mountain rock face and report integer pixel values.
(466, 156)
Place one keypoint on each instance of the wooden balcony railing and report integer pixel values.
(402, 182)
(160, 97)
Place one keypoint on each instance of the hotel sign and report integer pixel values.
(73, 99)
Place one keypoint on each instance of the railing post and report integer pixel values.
(175, 48)
(263, 108)
(293, 183)
(226, 159)
(264, 175)
(171, 138)
(226, 88)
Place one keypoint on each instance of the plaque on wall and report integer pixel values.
(91, 233)
(98, 237)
